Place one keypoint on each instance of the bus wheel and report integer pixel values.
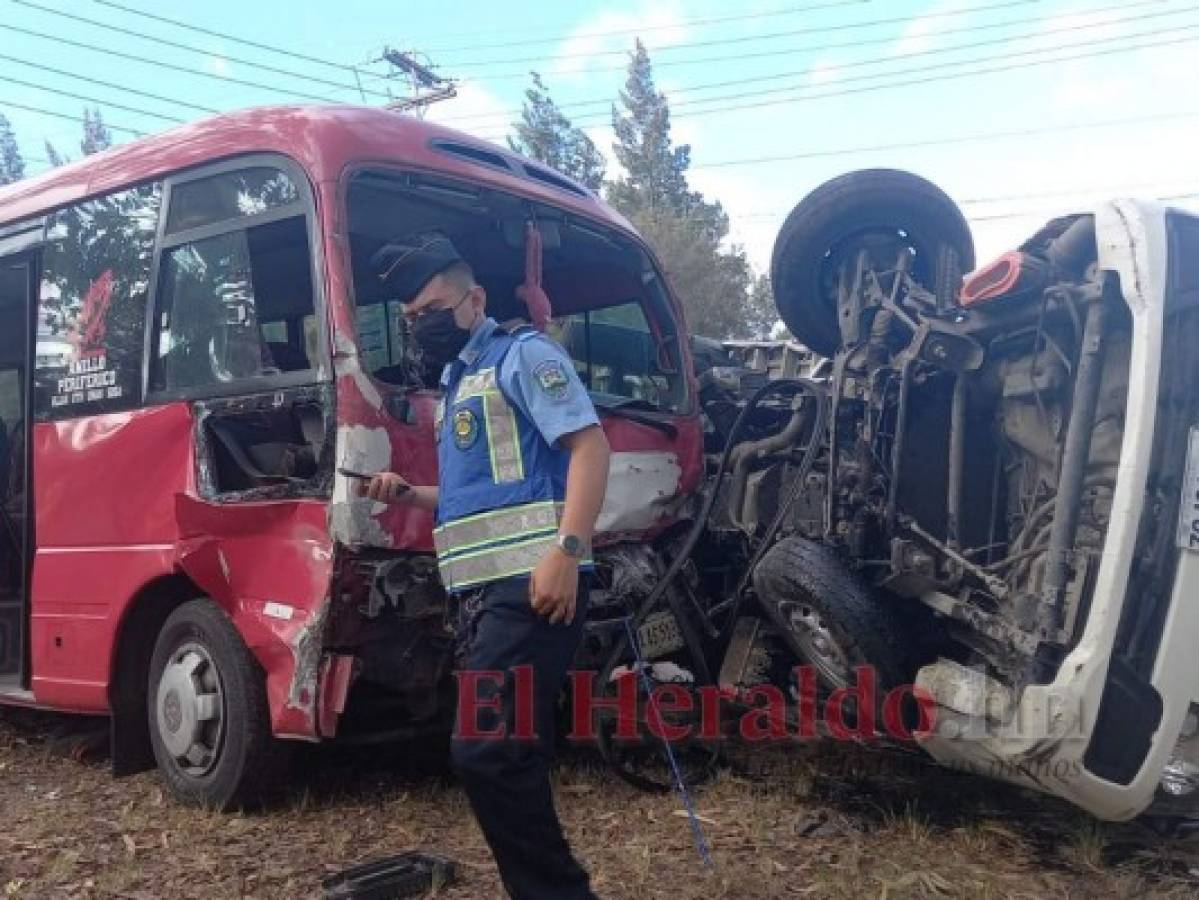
(209, 718)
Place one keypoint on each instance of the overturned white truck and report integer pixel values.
(1003, 508)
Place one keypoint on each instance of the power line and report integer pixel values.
(1029, 214)
(952, 65)
(108, 84)
(192, 49)
(230, 37)
(936, 142)
(1190, 194)
(70, 118)
(819, 48)
(1038, 33)
(741, 39)
(1106, 191)
(228, 79)
(86, 99)
(951, 76)
(1033, 213)
(684, 23)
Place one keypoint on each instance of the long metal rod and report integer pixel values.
(897, 447)
(1075, 454)
(957, 461)
(996, 585)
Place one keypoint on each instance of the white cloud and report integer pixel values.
(823, 71)
(603, 136)
(1079, 87)
(1104, 84)
(923, 34)
(1085, 24)
(662, 25)
(476, 110)
(751, 203)
(1056, 27)
(217, 64)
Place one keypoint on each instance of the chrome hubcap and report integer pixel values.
(190, 709)
(818, 645)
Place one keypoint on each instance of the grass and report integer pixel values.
(815, 822)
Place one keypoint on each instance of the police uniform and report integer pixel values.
(508, 398)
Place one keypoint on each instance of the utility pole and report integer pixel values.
(425, 86)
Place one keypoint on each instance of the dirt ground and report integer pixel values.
(814, 822)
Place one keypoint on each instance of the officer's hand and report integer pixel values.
(386, 487)
(553, 587)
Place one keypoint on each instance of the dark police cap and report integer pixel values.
(406, 265)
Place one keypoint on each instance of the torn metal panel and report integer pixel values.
(380, 428)
(643, 489)
(352, 519)
(347, 365)
(336, 676)
(307, 645)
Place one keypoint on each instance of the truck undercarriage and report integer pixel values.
(984, 501)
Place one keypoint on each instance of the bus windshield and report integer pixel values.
(611, 310)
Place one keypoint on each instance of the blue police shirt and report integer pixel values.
(539, 379)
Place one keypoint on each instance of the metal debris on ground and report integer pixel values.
(408, 874)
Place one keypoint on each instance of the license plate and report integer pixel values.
(1188, 520)
(659, 634)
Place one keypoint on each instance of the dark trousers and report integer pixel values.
(507, 779)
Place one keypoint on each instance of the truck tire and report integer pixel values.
(830, 223)
(209, 717)
(828, 618)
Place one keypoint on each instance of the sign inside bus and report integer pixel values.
(88, 378)
(91, 323)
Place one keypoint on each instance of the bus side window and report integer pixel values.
(233, 306)
(92, 308)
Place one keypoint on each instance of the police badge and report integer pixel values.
(466, 429)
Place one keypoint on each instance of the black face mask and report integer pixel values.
(439, 338)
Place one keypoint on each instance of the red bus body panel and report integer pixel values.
(115, 495)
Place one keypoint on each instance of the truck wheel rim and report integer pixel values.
(817, 644)
(189, 709)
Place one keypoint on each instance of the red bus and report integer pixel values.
(192, 346)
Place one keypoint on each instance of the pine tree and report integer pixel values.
(655, 171)
(546, 135)
(96, 136)
(55, 158)
(763, 315)
(686, 231)
(12, 167)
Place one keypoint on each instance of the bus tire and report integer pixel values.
(208, 712)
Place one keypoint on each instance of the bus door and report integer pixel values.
(16, 294)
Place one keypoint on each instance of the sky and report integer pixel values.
(1020, 109)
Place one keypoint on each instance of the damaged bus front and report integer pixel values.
(613, 314)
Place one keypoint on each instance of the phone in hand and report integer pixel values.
(350, 473)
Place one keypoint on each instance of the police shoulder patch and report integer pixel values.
(551, 377)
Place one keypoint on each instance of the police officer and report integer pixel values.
(523, 465)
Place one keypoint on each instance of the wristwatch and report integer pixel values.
(572, 545)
